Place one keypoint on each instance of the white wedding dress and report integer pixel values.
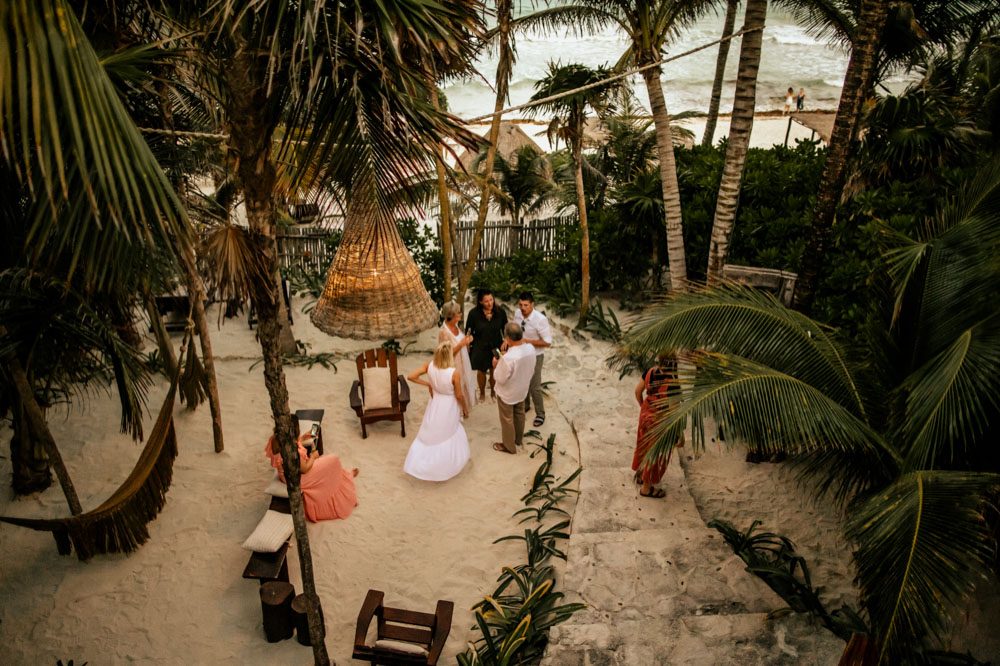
(441, 448)
(467, 376)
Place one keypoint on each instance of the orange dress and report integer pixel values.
(657, 385)
(327, 488)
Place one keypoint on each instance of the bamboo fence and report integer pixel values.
(502, 239)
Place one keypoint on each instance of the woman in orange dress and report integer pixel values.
(327, 488)
(655, 384)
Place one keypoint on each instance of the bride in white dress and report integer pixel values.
(451, 331)
(441, 448)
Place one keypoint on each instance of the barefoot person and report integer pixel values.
(537, 334)
(441, 448)
(789, 102)
(451, 331)
(513, 371)
(655, 384)
(485, 324)
(327, 488)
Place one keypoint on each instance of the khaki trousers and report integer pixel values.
(511, 424)
(535, 389)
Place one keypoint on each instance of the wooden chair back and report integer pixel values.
(379, 358)
(422, 630)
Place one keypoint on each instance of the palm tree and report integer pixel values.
(569, 114)
(739, 137)
(901, 423)
(720, 72)
(649, 25)
(524, 183)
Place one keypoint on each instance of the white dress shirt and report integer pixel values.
(535, 327)
(513, 373)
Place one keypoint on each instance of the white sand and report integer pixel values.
(180, 598)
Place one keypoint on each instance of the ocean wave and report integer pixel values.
(790, 34)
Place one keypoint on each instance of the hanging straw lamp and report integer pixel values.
(373, 290)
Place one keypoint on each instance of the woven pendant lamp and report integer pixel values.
(373, 290)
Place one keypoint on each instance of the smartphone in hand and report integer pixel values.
(496, 353)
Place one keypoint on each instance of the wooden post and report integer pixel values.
(300, 618)
(788, 130)
(276, 607)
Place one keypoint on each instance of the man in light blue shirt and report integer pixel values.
(537, 334)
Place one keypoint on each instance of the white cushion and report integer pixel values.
(378, 388)
(400, 646)
(272, 532)
(277, 487)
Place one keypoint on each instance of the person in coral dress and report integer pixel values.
(327, 488)
(655, 384)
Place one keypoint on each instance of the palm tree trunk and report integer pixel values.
(720, 71)
(29, 464)
(39, 429)
(668, 180)
(251, 134)
(739, 138)
(196, 293)
(871, 20)
(445, 207)
(160, 332)
(504, 11)
(581, 207)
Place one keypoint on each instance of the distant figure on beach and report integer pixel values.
(513, 371)
(537, 334)
(441, 448)
(654, 384)
(800, 100)
(327, 488)
(485, 324)
(451, 332)
(789, 101)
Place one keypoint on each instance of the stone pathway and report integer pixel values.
(661, 587)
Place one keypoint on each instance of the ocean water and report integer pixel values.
(789, 58)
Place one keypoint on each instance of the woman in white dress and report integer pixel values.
(441, 448)
(451, 331)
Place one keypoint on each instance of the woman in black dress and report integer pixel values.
(485, 323)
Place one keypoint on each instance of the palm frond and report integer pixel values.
(922, 544)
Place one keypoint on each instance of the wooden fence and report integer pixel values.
(502, 239)
(306, 246)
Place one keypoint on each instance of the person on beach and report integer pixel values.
(451, 332)
(800, 100)
(485, 324)
(327, 488)
(789, 102)
(655, 384)
(513, 371)
(441, 447)
(537, 334)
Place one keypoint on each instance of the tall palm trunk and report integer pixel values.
(504, 12)
(871, 20)
(668, 180)
(445, 205)
(38, 428)
(739, 137)
(720, 71)
(195, 287)
(252, 128)
(167, 355)
(581, 207)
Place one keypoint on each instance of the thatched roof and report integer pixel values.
(510, 139)
(820, 122)
(373, 290)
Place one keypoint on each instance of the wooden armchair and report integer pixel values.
(400, 391)
(404, 637)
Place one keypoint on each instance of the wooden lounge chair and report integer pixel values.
(404, 637)
(380, 358)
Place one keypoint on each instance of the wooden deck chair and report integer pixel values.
(374, 402)
(403, 637)
(119, 525)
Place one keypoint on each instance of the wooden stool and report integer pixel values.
(276, 606)
(300, 618)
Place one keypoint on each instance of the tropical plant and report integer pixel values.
(898, 420)
(524, 182)
(649, 26)
(739, 137)
(569, 114)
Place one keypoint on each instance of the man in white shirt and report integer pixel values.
(512, 373)
(538, 335)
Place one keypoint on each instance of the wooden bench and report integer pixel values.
(265, 567)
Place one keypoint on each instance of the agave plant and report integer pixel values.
(900, 423)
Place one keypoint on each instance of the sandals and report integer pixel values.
(654, 492)
(498, 446)
(638, 477)
(539, 420)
